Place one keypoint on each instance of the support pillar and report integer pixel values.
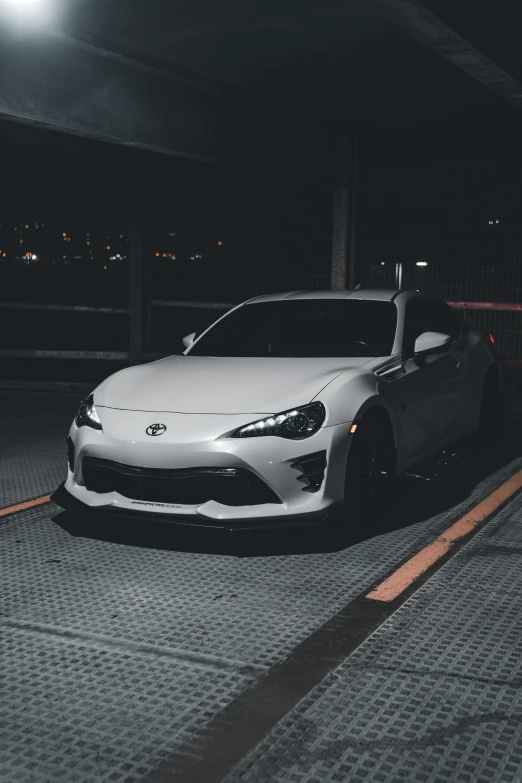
(344, 216)
(135, 295)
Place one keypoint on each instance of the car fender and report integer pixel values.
(351, 395)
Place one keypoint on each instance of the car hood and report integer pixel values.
(205, 384)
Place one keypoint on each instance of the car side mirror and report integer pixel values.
(431, 342)
(189, 339)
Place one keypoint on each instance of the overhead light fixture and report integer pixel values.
(422, 263)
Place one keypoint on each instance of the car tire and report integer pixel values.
(490, 422)
(370, 470)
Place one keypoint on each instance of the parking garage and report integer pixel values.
(159, 168)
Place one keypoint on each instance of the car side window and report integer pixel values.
(427, 315)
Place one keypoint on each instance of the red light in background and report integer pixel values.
(491, 339)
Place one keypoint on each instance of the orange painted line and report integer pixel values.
(395, 584)
(23, 506)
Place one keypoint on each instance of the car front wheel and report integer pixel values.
(370, 470)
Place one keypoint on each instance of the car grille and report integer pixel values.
(189, 486)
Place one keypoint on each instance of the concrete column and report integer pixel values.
(340, 241)
(135, 295)
(344, 224)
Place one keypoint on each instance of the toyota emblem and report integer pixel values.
(155, 429)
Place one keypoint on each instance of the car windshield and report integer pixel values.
(303, 328)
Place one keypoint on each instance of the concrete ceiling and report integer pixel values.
(263, 84)
(352, 56)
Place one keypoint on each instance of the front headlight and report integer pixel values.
(295, 424)
(87, 415)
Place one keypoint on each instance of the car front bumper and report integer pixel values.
(195, 441)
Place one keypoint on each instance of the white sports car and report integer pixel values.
(291, 408)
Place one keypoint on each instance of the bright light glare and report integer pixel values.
(422, 263)
(31, 15)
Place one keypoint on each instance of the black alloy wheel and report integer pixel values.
(370, 470)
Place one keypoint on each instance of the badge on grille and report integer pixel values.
(155, 429)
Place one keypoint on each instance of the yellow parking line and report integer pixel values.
(395, 584)
(23, 506)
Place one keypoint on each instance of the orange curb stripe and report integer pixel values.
(419, 563)
(22, 506)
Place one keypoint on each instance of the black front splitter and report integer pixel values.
(164, 522)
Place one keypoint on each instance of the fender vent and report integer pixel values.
(313, 467)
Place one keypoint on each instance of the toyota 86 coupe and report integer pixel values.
(291, 408)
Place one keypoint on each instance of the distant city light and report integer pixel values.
(157, 255)
(422, 263)
(105, 267)
(220, 242)
(108, 247)
(383, 263)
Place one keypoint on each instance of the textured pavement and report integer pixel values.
(112, 656)
(434, 695)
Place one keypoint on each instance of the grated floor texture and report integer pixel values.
(435, 694)
(112, 656)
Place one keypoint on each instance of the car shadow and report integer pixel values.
(436, 486)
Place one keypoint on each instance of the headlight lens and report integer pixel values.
(294, 424)
(87, 415)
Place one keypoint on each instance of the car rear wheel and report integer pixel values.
(490, 408)
(370, 470)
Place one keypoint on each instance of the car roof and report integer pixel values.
(370, 294)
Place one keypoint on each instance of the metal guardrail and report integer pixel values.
(203, 305)
(120, 310)
(21, 353)
(68, 308)
(25, 353)
(493, 306)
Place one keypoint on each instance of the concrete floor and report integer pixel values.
(119, 647)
